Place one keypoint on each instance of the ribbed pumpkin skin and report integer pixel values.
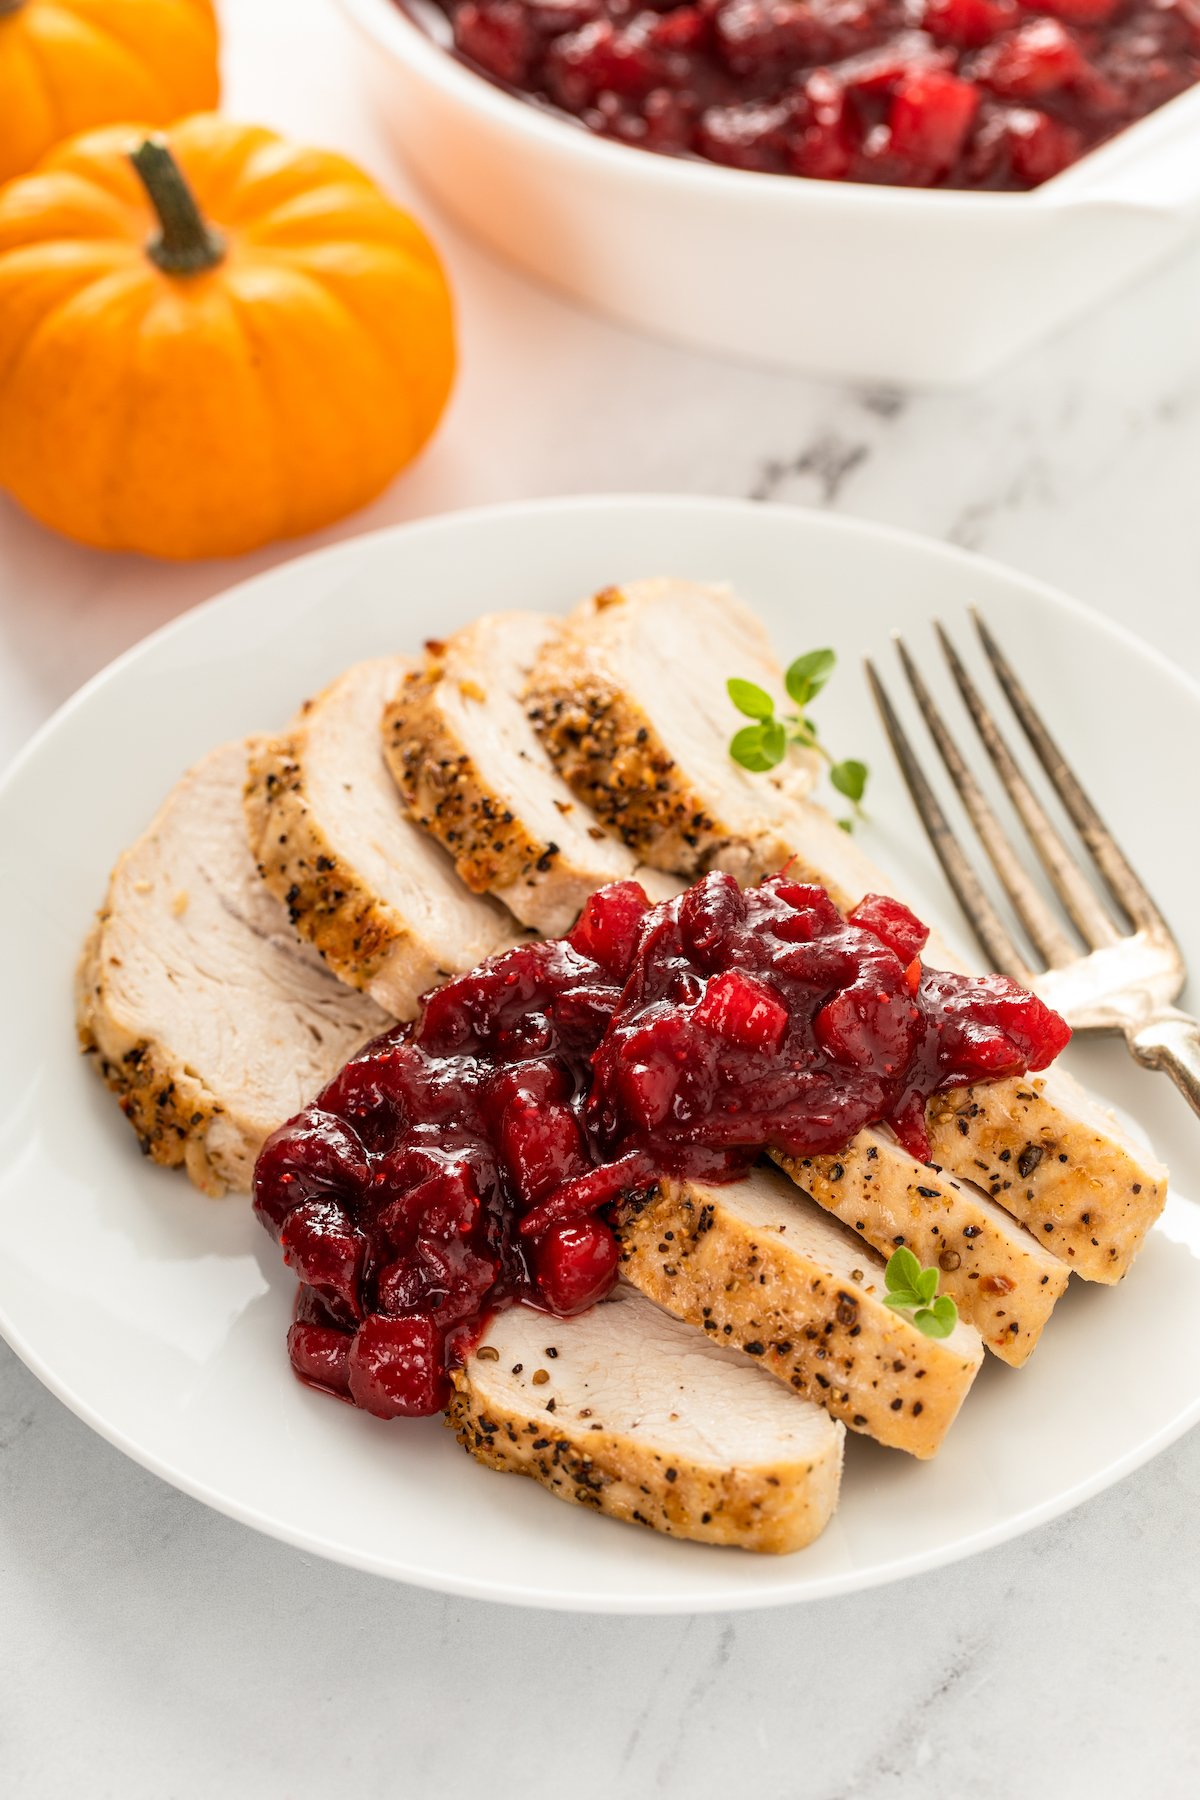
(203, 415)
(67, 66)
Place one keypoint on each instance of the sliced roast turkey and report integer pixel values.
(1002, 1279)
(628, 1412)
(760, 1267)
(630, 700)
(205, 1013)
(640, 749)
(362, 882)
(475, 773)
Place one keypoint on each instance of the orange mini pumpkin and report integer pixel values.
(211, 341)
(68, 65)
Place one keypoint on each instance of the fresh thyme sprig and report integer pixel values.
(913, 1290)
(764, 744)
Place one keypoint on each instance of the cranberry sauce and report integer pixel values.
(913, 93)
(468, 1161)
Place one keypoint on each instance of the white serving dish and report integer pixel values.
(863, 283)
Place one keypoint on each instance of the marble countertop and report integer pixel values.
(148, 1647)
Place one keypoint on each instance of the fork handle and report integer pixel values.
(1171, 1042)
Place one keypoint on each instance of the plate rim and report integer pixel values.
(745, 1596)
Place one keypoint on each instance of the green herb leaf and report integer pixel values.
(846, 825)
(808, 674)
(903, 1270)
(754, 701)
(774, 741)
(759, 747)
(913, 1290)
(764, 745)
(938, 1320)
(927, 1285)
(850, 778)
(903, 1300)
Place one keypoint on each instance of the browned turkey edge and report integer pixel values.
(627, 1412)
(760, 1267)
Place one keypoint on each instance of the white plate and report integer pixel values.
(159, 1316)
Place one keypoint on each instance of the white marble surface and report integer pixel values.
(149, 1648)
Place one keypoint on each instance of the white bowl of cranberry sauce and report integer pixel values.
(907, 191)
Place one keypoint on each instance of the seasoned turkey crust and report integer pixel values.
(1001, 1278)
(756, 1264)
(628, 1412)
(473, 772)
(624, 700)
(360, 879)
(205, 1013)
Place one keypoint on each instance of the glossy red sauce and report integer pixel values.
(912, 93)
(469, 1160)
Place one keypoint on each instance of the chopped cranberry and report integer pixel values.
(669, 119)
(368, 1095)
(651, 1067)
(588, 1193)
(710, 914)
(1039, 146)
(457, 1280)
(757, 36)
(316, 1153)
(892, 923)
(808, 906)
(325, 1249)
(873, 1024)
(975, 1010)
(575, 1265)
(541, 1147)
(401, 1286)
(609, 926)
(605, 58)
(879, 70)
(929, 118)
(1020, 146)
(683, 28)
(825, 143)
(908, 1122)
(749, 135)
(1035, 60)
(498, 35)
(531, 1083)
(744, 1010)
(1080, 12)
(969, 23)
(320, 1355)
(395, 1368)
(551, 18)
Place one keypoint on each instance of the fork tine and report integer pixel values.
(1039, 921)
(998, 947)
(1103, 848)
(1070, 884)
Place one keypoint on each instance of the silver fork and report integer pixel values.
(1129, 970)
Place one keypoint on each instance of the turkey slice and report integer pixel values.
(628, 1412)
(361, 880)
(206, 1014)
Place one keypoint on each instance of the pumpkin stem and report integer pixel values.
(183, 244)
